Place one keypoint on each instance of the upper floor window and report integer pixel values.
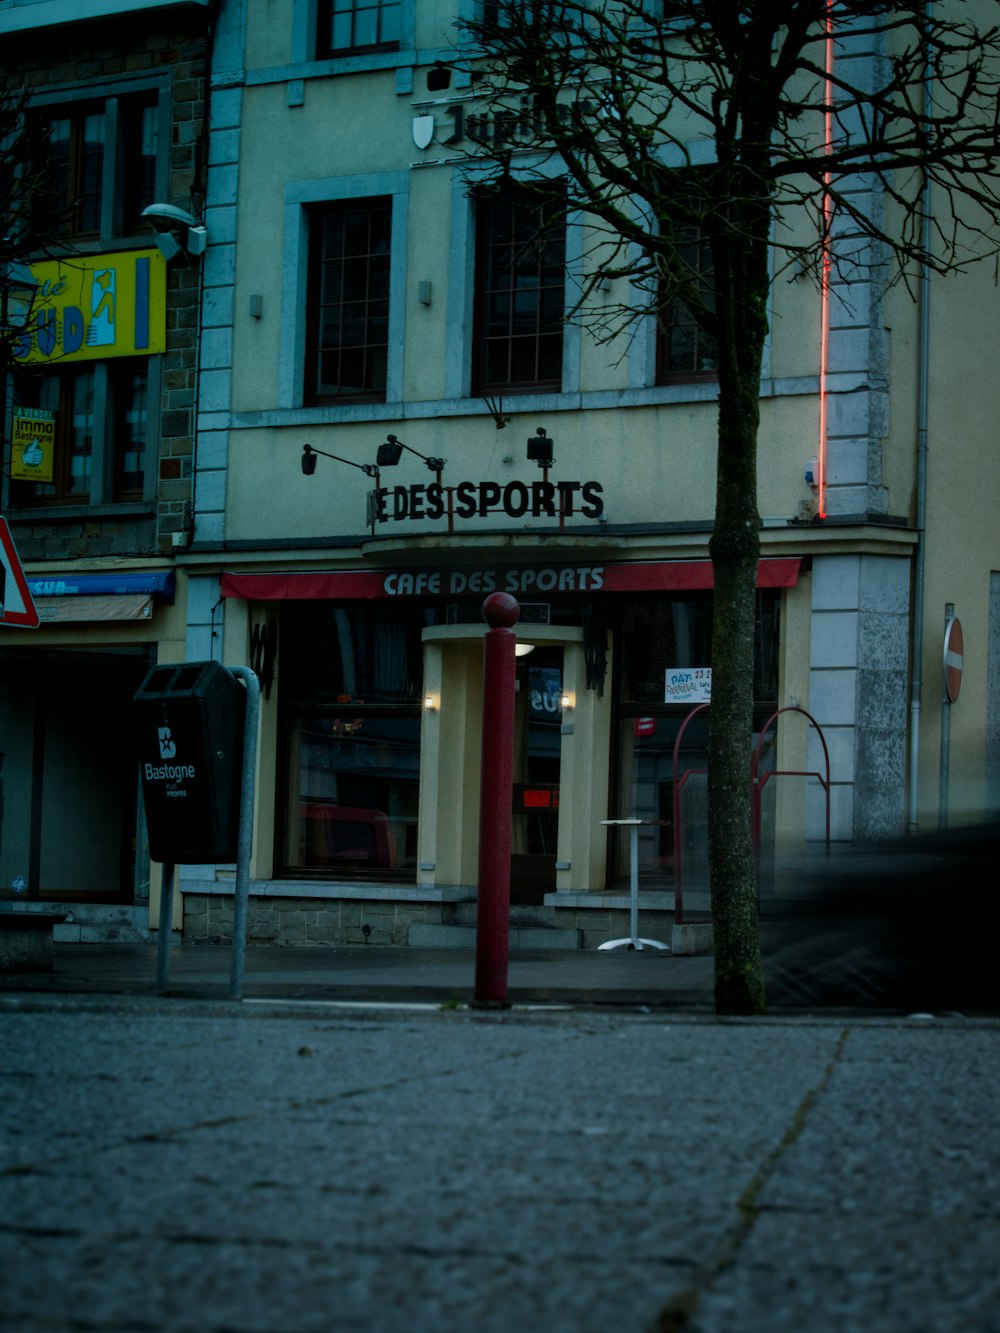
(520, 294)
(101, 160)
(684, 350)
(358, 25)
(347, 336)
(101, 432)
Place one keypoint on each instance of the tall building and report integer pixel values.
(98, 476)
(396, 417)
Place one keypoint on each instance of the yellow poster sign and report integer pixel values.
(33, 438)
(90, 307)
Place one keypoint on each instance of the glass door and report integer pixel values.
(537, 745)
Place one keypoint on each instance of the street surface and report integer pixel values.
(179, 1165)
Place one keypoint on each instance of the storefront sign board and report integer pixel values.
(91, 307)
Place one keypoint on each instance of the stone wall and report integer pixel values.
(208, 919)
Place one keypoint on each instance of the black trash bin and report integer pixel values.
(189, 721)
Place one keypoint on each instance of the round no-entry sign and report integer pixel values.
(954, 650)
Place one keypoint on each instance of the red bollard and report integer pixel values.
(500, 611)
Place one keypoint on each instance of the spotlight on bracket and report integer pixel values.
(540, 448)
(390, 453)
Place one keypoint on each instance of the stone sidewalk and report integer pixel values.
(434, 976)
(192, 1165)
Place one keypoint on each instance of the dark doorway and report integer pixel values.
(537, 745)
(70, 775)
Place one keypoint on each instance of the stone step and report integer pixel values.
(103, 923)
(422, 936)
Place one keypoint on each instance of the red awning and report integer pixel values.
(357, 585)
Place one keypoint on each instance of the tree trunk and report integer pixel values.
(735, 550)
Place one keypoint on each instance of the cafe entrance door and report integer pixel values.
(537, 746)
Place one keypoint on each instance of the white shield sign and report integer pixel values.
(423, 130)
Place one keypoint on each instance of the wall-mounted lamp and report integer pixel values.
(18, 289)
(431, 703)
(309, 455)
(523, 649)
(567, 702)
(438, 77)
(389, 454)
(540, 448)
(167, 222)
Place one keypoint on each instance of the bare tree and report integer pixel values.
(720, 128)
(25, 187)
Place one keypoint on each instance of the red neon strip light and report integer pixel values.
(824, 290)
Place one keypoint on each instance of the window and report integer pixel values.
(101, 432)
(684, 351)
(350, 723)
(656, 636)
(358, 25)
(348, 306)
(101, 160)
(520, 294)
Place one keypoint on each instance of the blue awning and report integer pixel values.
(159, 583)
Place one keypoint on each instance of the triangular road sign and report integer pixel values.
(16, 606)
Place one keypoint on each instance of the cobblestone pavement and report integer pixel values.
(193, 1165)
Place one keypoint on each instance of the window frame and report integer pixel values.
(318, 216)
(307, 48)
(299, 707)
(667, 322)
(485, 285)
(325, 14)
(104, 491)
(300, 196)
(114, 98)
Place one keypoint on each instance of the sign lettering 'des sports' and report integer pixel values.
(476, 499)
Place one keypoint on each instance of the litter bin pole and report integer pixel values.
(241, 900)
(166, 925)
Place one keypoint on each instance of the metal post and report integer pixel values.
(166, 925)
(943, 766)
(241, 900)
(633, 885)
(500, 611)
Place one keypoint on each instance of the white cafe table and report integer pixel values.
(634, 941)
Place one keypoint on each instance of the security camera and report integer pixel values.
(165, 216)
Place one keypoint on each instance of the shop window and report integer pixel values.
(657, 637)
(348, 306)
(351, 690)
(100, 166)
(356, 26)
(520, 294)
(101, 431)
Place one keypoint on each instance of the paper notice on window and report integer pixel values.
(688, 685)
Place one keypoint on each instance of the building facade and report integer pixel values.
(396, 417)
(98, 472)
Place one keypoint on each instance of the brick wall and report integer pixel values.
(68, 55)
